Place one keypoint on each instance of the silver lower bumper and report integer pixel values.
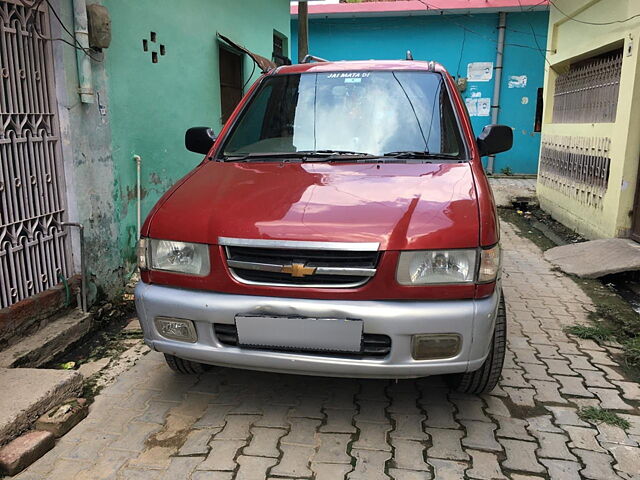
(473, 320)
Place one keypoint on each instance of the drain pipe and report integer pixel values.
(138, 160)
(495, 107)
(83, 273)
(81, 32)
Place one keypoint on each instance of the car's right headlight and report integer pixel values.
(173, 256)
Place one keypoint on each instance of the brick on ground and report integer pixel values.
(24, 450)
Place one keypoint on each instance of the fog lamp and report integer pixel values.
(176, 329)
(432, 346)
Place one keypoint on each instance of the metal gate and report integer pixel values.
(33, 244)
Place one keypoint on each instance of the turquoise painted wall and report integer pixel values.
(152, 104)
(455, 41)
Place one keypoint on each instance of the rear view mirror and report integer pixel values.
(495, 139)
(199, 139)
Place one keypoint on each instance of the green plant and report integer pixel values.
(600, 415)
(506, 171)
(632, 351)
(599, 333)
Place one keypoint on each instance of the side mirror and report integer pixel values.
(199, 139)
(495, 139)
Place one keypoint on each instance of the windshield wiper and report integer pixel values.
(324, 155)
(421, 155)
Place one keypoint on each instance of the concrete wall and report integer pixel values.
(455, 41)
(571, 41)
(148, 108)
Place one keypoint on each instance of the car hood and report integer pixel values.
(400, 205)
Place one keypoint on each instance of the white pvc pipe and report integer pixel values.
(81, 31)
(138, 160)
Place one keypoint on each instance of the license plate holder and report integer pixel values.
(305, 333)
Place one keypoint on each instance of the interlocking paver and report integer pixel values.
(562, 469)
(485, 466)
(222, 454)
(448, 469)
(333, 448)
(254, 468)
(373, 436)
(339, 421)
(329, 471)
(408, 427)
(408, 454)
(294, 462)
(553, 445)
(154, 424)
(597, 465)
(370, 465)
(264, 442)
(610, 399)
(480, 435)
(446, 444)
(584, 438)
(521, 456)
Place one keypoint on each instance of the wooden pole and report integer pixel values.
(303, 30)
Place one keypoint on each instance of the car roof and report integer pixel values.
(360, 65)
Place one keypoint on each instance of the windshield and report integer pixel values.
(365, 112)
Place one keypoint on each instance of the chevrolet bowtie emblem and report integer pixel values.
(298, 270)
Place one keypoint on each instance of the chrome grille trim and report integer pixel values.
(309, 267)
(273, 267)
(303, 245)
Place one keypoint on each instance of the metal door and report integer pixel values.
(33, 244)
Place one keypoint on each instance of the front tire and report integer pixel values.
(185, 367)
(486, 377)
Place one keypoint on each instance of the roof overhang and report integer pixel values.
(408, 8)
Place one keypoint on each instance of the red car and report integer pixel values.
(341, 224)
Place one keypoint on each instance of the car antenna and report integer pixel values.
(409, 55)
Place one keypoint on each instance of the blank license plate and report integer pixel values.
(303, 333)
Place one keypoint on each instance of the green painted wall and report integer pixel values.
(148, 108)
(152, 104)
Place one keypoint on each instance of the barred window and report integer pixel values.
(588, 91)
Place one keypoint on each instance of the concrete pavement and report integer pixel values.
(154, 424)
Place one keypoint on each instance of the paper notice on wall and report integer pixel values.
(478, 107)
(517, 81)
(472, 106)
(484, 107)
(479, 71)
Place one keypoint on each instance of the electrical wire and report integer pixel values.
(253, 70)
(613, 22)
(33, 27)
(535, 38)
(464, 38)
(464, 27)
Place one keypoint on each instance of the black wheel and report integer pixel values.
(486, 377)
(183, 366)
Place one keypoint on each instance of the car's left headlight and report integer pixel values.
(424, 267)
(429, 267)
(172, 256)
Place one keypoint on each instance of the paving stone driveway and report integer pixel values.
(153, 424)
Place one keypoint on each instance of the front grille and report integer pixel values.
(330, 268)
(373, 345)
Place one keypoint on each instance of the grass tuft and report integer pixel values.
(632, 352)
(600, 415)
(599, 333)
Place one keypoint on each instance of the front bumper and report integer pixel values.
(473, 320)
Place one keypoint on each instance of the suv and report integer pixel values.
(341, 224)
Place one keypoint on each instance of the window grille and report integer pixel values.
(33, 247)
(576, 166)
(588, 92)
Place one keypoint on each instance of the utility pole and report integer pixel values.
(303, 30)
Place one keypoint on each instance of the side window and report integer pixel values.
(537, 125)
(249, 130)
(230, 81)
(280, 49)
